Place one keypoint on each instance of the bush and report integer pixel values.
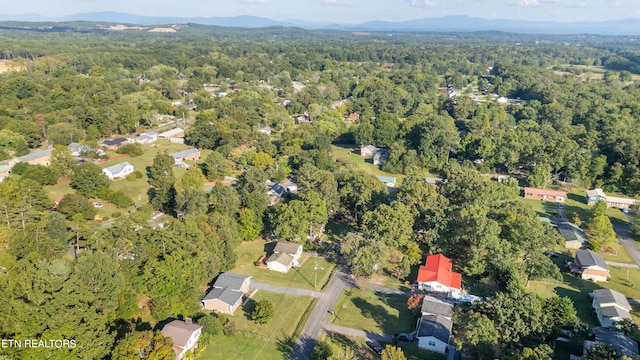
(132, 150)
(134, 175)
(263, 312)
(118, 198)
(41, 174)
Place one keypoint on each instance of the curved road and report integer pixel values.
(624, 235)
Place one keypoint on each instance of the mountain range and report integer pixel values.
(436, 24)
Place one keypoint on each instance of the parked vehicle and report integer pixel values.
(97, 205)
(377, 348)
(404, 337)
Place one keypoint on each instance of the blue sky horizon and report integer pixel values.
(344, 11)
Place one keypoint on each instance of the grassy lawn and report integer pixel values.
(303, 278)
(363, 163)
(362, 351)
(374, 312)
(268, 341)
(413, 352)
(574, 203)
(577, 289)
(618, 254)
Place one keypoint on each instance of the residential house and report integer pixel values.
(148, 137)
(595, 195)
(437, 275)
(185, 335)
(544, 195)
(610, 306)
(173, 133)
(622, 344)
(114, 144)
(285, 256)
(381, 156)
(38, 157)
(388, 181)
(353, 117)
(191, 106)
(226, 293)
(189, 154)
(574, 236)
(265, 129)
(118, 171)
(368, 150)
(289, 186)
(590, 265)
(75, 149)
(434, 326)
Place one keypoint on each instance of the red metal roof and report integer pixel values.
(439, 268)
(530, 190)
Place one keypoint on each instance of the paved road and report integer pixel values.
(318, 321)
(624, 235)
(357, 333)
(283, 290)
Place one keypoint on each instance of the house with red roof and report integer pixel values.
(437, 275)
(544, 195)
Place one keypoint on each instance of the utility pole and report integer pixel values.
(315, 275)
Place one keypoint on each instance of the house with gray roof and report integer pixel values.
(589, 265)
(118, 171)
(610, 306)
(285, 256)
(185, 335)
(574, 237)
(189, 154)
(147, 137)
(388, 181)
(622, 344)
(37, 157)
(434, 326)
(226, 293)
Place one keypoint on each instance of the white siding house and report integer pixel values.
(118, 171)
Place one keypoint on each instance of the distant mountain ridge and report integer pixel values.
(436, 24)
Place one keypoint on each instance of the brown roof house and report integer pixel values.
(185, 335)
(227, 292)
(544, 195)
(610, 307)
(285, 256)
(434, 326)
(590, 265)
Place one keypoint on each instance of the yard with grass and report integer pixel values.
(351, 154)
(374, 312)
(362, 351)
(577, 289)
(269, 341)
(575, 202)
(303, 277)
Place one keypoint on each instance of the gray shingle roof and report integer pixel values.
(282, 258)
(179, 331)
(588, 258)
(118, 141)
(431, 305)
(435, 325)
(115, 169)
(614, 312)
(625, 345)
(184, 153)
(569, 231)
(608, 296)
(34, 155)
(286, 247)
(227, 288)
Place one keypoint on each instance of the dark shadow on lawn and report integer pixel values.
(302, 276)
(248, 308)
(379, 314)
(576, 198)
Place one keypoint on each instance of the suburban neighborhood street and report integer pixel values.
(624, 235)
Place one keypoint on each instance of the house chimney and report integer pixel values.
(188, 321)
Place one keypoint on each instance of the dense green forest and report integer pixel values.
(83, 86)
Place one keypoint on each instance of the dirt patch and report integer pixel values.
(6, 65)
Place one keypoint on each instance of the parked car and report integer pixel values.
(404, 337)
(97, 205)
(551, 254)
(377, 348)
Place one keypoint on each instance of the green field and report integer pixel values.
(362, 351)
(303, 278)
(268, 341)
(374, 312)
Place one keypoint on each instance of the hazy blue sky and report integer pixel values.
(348, 11)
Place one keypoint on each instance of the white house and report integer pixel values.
(434, 326)
(437, 275)
(610, 307)
(185, 335)
(285, 256)
(148, 137)
(118, 171)
(173, 133)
